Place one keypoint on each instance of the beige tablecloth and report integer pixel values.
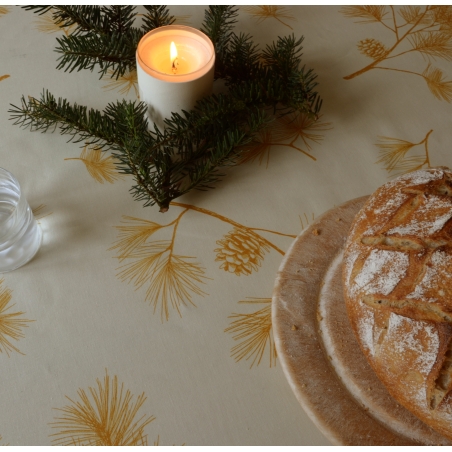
(95, 348)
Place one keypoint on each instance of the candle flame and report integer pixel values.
(173, 52)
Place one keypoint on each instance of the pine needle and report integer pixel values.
(410, 13)
(433, 45)
(99, 167)
(439, 87)
(264, 12)
(11, 323)
(174, 282)
(369, 14)
(103, 416)
(124, 83)
(133, 235)
(392, 151)
(299, 125)
(254, 333)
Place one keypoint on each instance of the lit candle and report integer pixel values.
(175, 68)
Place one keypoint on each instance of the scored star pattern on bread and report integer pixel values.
(425, 291)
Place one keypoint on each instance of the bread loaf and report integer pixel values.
(397, 276)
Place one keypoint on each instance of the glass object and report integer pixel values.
(20, 235)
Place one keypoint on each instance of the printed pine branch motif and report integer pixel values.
(306, 221)
(46, 24)
(261, 13)
(39, 212)
(241, 251)
(1, 440)
(254, 334)
(11, 323)
(401, 156)
(286, 132)
(124, 84)
(100, 167)
(172, 280)
(4, 10)
(106, 415)
(422, 30)
(182, 19)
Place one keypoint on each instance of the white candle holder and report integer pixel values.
(20, 235)
(167, 86)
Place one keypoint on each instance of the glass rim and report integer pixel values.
(14, 179)
(192, 30)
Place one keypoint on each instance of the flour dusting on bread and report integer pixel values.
(382, 271)
(397, 276)
(422, 339)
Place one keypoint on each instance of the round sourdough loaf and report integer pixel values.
(397, 276)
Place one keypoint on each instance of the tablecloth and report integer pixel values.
(133, 327)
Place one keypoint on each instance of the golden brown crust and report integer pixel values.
(397, 279)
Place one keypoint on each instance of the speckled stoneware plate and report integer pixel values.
(318, 351)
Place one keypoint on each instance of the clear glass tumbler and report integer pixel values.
(20, 235)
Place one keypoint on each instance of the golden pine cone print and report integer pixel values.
(372, 48)
(241, 251)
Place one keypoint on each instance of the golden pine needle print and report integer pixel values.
(124, 84)
(105, 415)
(11, 323)
(46, 24)
(254, 333)
(261, 13)
(439, 87)
(398, 156)
(306, 221)
(300, 126)
(173, 279)
(4, 77)
(183, 19)
(4, 10)
(101, 168)
(285, 132)
(133, 234)
(366, 14)
(254, 233)
(425, 30)
(39, 212)
(259, 149)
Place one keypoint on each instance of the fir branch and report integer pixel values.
(93, 18)
(156, 16)
(104, 36)
(86, 18)
(115, 52)
(195, 147)
(218, 24)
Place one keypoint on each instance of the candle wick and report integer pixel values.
(174, 65)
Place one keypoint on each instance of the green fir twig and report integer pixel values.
(195, 147)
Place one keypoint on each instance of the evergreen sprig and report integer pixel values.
(195, 147)
(104, 36)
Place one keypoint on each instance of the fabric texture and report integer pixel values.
(133, 327)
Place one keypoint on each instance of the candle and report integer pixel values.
(175, 68)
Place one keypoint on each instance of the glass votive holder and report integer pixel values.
(20, 235)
